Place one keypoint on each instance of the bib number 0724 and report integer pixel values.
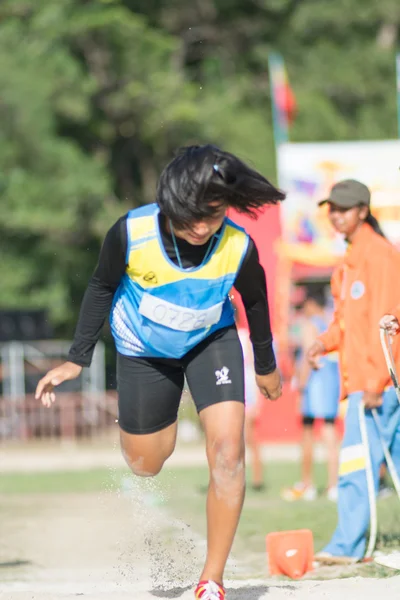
(178, 317)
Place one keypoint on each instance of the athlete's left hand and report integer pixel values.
(270, 385)
(372, 400)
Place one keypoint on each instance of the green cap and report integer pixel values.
(348, 193)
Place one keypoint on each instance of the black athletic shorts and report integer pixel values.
(150, 389)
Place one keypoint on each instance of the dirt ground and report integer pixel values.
(106, 453)
(117, 545)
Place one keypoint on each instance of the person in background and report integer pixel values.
(319, 395)
(385, 488)
(253, 401)
(390, 322)
(365, 285)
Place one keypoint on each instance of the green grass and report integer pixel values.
(182, 492)
(59, 482)
(265, 511)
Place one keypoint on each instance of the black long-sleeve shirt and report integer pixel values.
(250, 282)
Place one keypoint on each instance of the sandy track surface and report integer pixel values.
(79, 456)
(345, 589)
(117, 545)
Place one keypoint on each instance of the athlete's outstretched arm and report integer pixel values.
(95, 306)
(97, 301)
(251, 285)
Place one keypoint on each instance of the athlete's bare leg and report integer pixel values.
(145, 454)
(223, 425)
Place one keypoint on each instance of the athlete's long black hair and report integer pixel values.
(201, 175)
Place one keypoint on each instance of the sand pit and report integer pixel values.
(118, 545)
(344, 589)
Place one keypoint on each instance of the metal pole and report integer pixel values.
(398, 91)
(277, 78)
(16, 371)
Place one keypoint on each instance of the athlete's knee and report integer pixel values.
(226, 459)
(140, 465)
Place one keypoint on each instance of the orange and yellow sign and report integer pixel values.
(308, 171)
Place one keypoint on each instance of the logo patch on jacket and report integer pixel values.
(357, 290)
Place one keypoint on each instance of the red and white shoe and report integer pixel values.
(209, 590)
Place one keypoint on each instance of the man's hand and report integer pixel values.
(372, 400)
(390, 323)
(270, 385)
(64, 372)
(315, 353)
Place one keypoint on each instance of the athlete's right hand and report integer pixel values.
(270, 385)
(46, 385)
(315, 353)
(390, 323)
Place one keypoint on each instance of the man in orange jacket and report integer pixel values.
(365, 285)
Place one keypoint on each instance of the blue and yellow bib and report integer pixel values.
(160, 310)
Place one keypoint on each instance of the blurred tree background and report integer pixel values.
(97, 94)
